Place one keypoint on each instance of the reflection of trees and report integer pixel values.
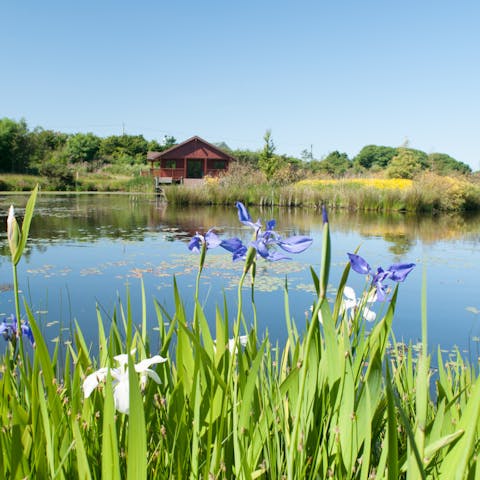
(88, 218)
(400, 244)
(82, 218)
(403, 231)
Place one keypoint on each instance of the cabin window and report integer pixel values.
(170, 164)
(219, 164)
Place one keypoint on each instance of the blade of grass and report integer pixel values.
(110, 453)
(137, 441)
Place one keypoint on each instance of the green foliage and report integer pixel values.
(374, 157)
(444, 164)
(60, 158)
(306, 155)
(335, 164)
(247, 157)
(406, 163)
(427, 193)
(334, 402)
(168, 142)
(286, 174)
(82, 147)
(268, 162)
(57, 171)
(125, 146)
(45, 144)
(15, 145)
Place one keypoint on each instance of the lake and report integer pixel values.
(90, 249)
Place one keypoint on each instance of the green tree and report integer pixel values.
(169, 141)
(335, 163)
(268, 162)
(406, 164)
(123, 147)
(44, 144)
(82, 147)
(444, 164)
(306, 155)
(15, 145)
(58, 171)
(374, 157)
(314, 166)
(247, 157)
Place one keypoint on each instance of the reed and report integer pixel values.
(334, 401)
(427, 193)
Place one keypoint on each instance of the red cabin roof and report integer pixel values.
(194, 147)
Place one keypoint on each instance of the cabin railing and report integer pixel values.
(174, 173)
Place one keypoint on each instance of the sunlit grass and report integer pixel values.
(337, 400)
(426, 193)
(379, 183)
(102, 181)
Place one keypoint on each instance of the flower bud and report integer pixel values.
(13, 231)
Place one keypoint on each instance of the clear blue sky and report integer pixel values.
(335, 74)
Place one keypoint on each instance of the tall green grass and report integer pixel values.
(428, 193)
(108, 180)
(333, 402)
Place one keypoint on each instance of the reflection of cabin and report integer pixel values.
(193, 159)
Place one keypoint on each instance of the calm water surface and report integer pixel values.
(88, 250)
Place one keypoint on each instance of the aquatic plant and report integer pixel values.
(338, 400)
(120, 376)
(426, 193)
(9, 330)
(397, 273)
(264, 242)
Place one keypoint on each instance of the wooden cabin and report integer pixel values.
(192, 159)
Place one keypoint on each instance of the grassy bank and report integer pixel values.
(337, 400)
(428, 193)
(84, 182)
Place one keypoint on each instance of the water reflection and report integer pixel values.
(88, 218)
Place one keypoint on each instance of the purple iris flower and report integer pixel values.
(397, 272)
(8, 328)
(264, 242)
(211, 239)
(236, 247)
(245, 217)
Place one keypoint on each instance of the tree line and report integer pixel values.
(396, 162)
(56, 154)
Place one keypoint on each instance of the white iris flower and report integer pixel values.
(242, 340)
(351, 303)
(120, 379)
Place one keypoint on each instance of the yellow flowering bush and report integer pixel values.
(380, 183)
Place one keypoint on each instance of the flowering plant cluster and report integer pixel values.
(264, 242)
(9, 329)
(351, 303)
(397, 273)
(120, 382)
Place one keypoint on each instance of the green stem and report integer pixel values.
(314, 325)
(303, 377)
(249, 262)
(254, 308)
(203, 253)
(17, 302)
(17, 315)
